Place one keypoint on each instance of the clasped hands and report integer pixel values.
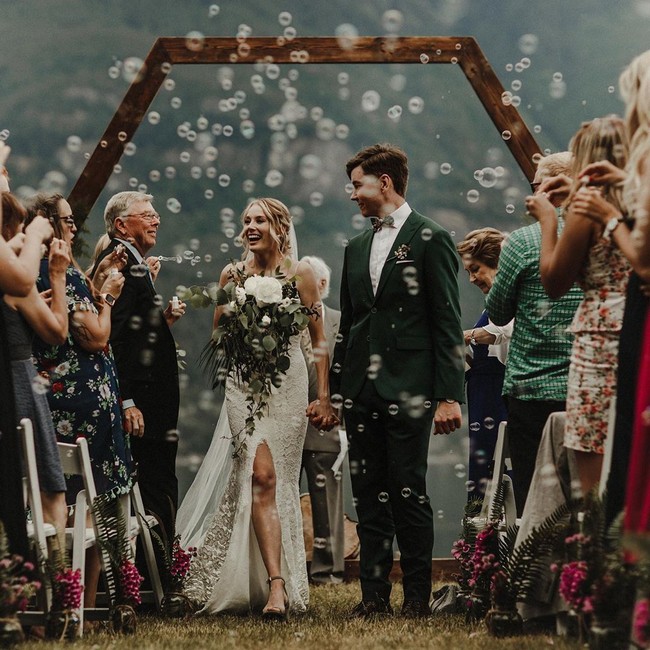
(322, 415)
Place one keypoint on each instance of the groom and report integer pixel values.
(398, 365)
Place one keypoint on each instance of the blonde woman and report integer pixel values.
(586, 254)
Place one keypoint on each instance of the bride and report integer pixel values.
(243, 512)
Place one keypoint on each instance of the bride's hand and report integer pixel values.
(322, 415)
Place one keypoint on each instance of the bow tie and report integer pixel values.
(378, 223)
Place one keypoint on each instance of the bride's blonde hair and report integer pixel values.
(279, 221)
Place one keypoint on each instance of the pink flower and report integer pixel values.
(130, 580)
(573, 583)
(67, 589)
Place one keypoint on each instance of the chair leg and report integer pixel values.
(150, 557)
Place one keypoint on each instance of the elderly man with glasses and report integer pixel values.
(145, 353)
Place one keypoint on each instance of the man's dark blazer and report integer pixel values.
(412, 323)
(145, 351)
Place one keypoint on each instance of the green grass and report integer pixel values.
(324, 627)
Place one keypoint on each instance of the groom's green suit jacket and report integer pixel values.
(409, 332)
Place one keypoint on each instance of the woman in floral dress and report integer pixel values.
(587, 254)
(80, 376)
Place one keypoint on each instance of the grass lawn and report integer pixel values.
(323, 627)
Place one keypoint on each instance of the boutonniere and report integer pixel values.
(401, 253)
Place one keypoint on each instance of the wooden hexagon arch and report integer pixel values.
(463, 51)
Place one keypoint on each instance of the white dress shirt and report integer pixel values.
(382, 242)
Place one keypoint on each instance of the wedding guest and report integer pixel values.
(320, 451)
(487, 346)
(25, 317)
(84, 393)
(537, 367)
(399, 362)
(630, 448)
(145, 353)
(18, 274)
(585, 253)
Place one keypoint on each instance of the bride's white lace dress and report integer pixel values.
(228, 574)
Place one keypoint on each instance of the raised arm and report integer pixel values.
(18, 273)
(90, 330)
(561, 259)
(50, 323)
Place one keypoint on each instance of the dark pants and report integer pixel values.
(629, 353)
(526, 420)
(388, 466)
(156, 459)
(326, 496)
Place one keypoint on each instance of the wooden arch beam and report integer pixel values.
(463, 51)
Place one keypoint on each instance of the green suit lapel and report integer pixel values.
(364, 257)
(406, 233)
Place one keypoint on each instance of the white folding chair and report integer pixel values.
(76, 460)
(37, 530)
(501, 455)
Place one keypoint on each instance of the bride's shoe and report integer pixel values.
(275, 613)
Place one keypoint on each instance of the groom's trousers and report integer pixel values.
(388, 464)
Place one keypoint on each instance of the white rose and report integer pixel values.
(266, 320)
(268, 291)
(240, 293)
(250, 285)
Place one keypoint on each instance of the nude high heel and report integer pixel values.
(275, 613)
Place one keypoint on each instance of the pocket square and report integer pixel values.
(404, 261)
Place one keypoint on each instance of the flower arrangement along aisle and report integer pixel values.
(16, 588)
(122, 576)
(63, 618)
(598, 578)
(252, 340)
(177, 561)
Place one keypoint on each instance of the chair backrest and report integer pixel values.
(31, 487)
(75, 459)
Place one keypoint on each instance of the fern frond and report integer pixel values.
(527, 563)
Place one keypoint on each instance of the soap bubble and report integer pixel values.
(133, 69)
(194, 41)
(392, 20)
(173, 205)
(346, 36)
(528, 43)
(370, 101)
(473, 196)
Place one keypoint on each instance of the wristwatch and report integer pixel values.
(472, 340)
(611, 226)
(109, 299)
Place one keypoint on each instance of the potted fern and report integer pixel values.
(121, 573)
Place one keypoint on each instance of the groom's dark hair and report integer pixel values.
(382, 159)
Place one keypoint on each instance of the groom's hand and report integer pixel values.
(447, 417)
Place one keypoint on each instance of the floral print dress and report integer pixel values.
(594, 356)
(83, 394)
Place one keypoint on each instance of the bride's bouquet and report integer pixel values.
(251, 343)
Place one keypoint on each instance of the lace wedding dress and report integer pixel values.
(228, 574)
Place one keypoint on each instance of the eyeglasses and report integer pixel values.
(147, 216)
(68, 220)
